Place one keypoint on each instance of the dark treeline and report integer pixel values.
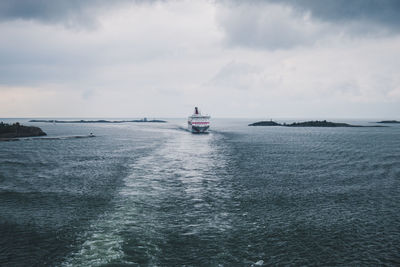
(18, 130)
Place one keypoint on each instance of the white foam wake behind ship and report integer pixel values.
(198, 123)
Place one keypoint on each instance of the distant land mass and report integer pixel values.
(392, 121)
(265, 123)
(96, 121)
(323, 123)
(320, 124)
(8, 131)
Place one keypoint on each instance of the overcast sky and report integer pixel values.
(274, 59)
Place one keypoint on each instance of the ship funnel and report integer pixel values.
(196, 111)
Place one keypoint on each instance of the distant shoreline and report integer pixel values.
(391, 121)
(97, 121)
(323, 123)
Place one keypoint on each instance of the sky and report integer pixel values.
(132, 58)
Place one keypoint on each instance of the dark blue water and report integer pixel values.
(157, 195)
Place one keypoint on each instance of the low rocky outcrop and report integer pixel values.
(391, 121)
(15, 130)
(323, 123)
(265, 123)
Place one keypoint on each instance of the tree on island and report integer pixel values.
(18, 130)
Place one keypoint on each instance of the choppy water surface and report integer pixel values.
(157, 195)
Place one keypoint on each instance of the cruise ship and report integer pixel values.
(198, 123)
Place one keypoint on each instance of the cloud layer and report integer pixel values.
(235, 59)
(71, 13)
(382, 12)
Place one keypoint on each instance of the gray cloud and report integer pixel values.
(45, 11)
(383, 12)
(386, 13)
(270, 26)
(284, 24)
(71, 13)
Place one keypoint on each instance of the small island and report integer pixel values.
(97, 121)
(10, 131)
(323, 123)
(391, 121)
(265, 123)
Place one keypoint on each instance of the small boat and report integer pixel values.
(198, 123)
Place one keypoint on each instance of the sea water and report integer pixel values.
(153, 194)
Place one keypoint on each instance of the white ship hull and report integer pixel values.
(198, 129)
(198, 123)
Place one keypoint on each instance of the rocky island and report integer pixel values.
(9, 131)
(323, 123)
(97, 121)
(391, 121)
(265, 123)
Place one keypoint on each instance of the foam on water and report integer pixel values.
(180, 169)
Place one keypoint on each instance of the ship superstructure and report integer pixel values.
(198, 123)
